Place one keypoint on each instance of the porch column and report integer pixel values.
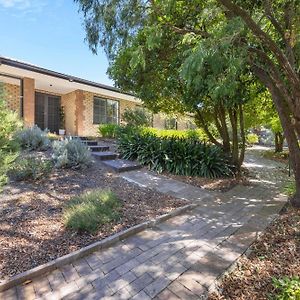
(28, 101)
(79, 112)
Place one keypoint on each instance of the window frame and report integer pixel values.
(105, 113)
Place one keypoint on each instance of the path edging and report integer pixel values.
(105, 243)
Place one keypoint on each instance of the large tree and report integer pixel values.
(263, 34)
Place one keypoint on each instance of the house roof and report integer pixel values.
(16, 68)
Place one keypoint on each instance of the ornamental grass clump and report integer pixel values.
(179, 156)
(90, 210)
(71, 153)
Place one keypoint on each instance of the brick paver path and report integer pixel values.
(178, 259)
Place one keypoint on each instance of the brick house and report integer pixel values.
(38, 94)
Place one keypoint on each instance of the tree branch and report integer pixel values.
(275, 74)
(203, 124)
(271, 17)
(265, 40)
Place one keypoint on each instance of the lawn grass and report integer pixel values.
(90, 210)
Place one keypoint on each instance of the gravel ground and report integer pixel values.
(31, 227)
(276, 254)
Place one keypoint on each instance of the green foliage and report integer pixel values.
(290, 188)
(180, 156)
(71, 153)
(137, 117)
(172, 133)
(252, 138)
(9, 123)
(53, 136)
(33, 138)
(286, 288)
(30, 168)
(108, 130)
(62, 118)
(90, 210)
(270, 154)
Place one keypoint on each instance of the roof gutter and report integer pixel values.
(32, 68)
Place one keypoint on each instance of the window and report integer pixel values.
(106, 111)
(170, 123)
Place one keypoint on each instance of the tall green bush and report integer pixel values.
(180, 156)
(137, 117)
(9, 123)
(252, 138)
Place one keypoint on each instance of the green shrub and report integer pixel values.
(270, 154)
(53, 136)
(31, 168)
(252, 138)
(108, 130)
(71, 153)
(178, 156)
(92, 209)
(137, 117)
(287, 288)
(33, 138)
(9, 124)
(290, 188)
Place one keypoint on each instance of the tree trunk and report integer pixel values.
(287, 125)
(279, 138)
(243, 135)
(235, 139)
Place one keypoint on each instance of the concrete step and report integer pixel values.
(90, 143)
(98, 148)
(106, 155)
(122, 165)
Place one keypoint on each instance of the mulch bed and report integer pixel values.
(31, 227)
(275, 254)
(217, 184)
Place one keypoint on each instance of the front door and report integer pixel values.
(47, 112)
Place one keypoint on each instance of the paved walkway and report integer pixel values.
(178, 259)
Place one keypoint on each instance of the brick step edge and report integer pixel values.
(105, 243)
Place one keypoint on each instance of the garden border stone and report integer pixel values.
(105, 243)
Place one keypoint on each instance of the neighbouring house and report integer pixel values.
(39, 95)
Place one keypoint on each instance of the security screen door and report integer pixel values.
(47, 112)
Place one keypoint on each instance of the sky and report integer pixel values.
(50, 34)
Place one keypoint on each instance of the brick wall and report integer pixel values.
(29, 101)
(91, 129)
(11, 93)
(68, 102)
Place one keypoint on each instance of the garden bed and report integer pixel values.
(276, 254)
(32, 229)
(280, 157)
(211, 184)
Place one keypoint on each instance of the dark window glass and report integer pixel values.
(171, 123)
(106, 111)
